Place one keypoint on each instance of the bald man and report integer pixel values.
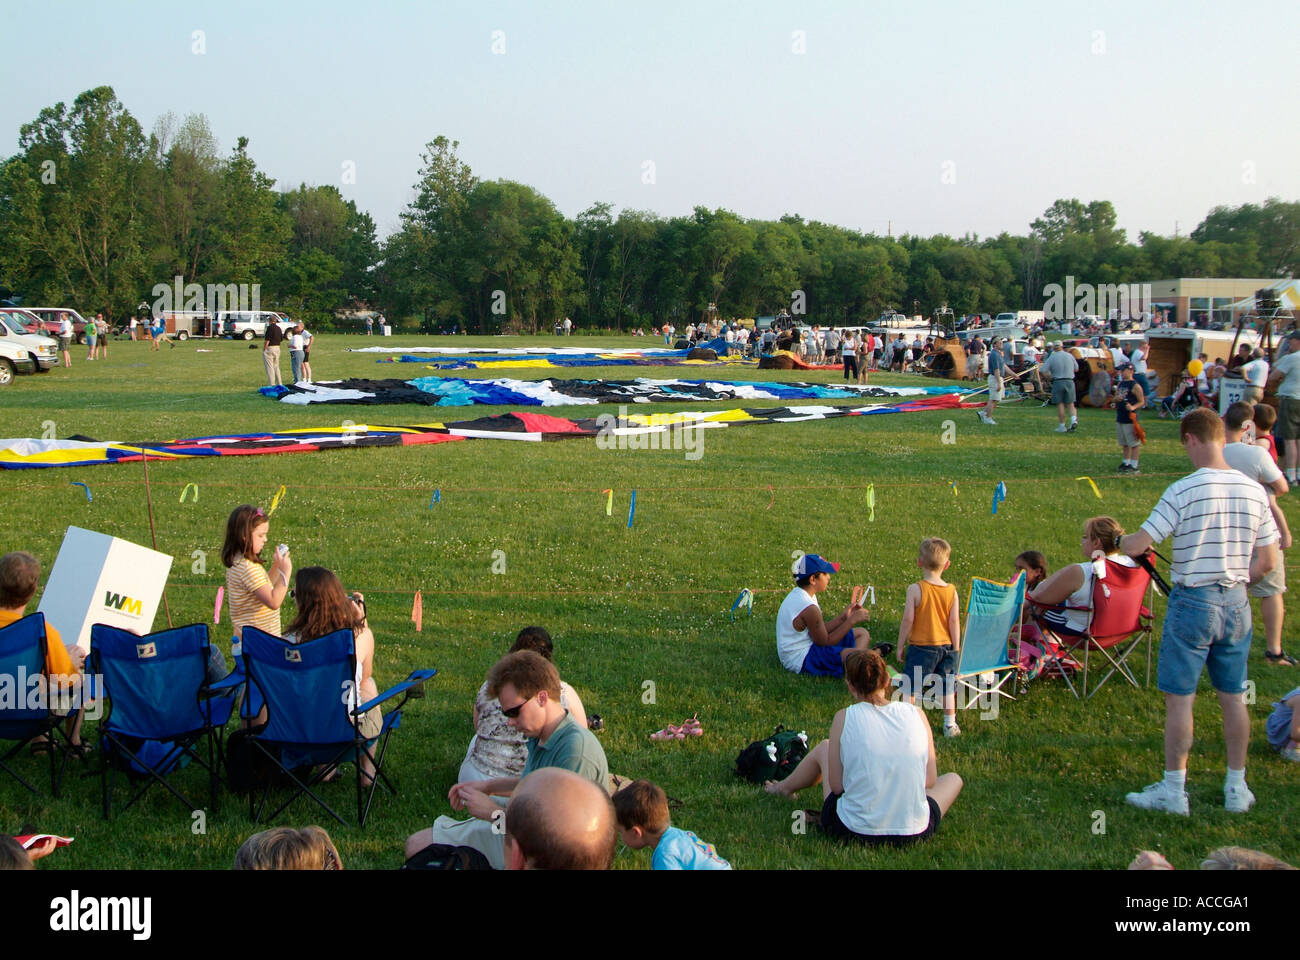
(558, 820)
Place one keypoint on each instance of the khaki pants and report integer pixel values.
(271, 357)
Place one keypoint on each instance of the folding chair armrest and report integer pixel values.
(408, 686)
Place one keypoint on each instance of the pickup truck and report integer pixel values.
(21, 351)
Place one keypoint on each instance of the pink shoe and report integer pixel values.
(693, 727)
(668, 733)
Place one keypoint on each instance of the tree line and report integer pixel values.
(93, 213)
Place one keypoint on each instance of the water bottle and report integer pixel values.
(236, 649)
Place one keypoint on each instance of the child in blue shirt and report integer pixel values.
(642, 812)
(1283, 726)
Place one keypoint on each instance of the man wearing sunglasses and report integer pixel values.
(528, 688)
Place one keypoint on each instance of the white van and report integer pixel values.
(20, 351)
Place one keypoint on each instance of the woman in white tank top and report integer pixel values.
(879, 777)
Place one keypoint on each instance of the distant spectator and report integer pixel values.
(1264, 417)
(1286, 374)
(1255, 372)
(1061, 368)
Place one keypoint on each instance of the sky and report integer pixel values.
(886, 117)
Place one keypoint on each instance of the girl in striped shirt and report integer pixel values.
(254, 596)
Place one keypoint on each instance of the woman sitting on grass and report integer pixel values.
(498, 749)
(323, 608)
(880, 781)
(1069, 591)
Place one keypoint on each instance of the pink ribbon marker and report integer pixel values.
(216, 610)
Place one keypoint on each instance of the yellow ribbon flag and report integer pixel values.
(1091, 484)
(609, 502)
(275, 501)
(871, 503)
(188, 488)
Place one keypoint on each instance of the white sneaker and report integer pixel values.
(1291, 752)
(990, 421)
(1238, 799)
(1157, 797)
(951, 730)
(1061, 428)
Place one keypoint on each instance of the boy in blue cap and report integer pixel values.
(804, 641)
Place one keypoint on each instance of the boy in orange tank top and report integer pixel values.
(930, 631)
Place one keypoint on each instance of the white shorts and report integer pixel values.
(995, 387)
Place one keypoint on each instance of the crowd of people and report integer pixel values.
(1227, 533)
(536, 784)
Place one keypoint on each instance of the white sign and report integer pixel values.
(1231, 389)
(101, 579)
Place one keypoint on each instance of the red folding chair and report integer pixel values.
(1119, 620)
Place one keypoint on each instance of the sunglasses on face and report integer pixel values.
(513, 712)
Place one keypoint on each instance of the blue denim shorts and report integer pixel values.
(1205, 627)
(924, 662)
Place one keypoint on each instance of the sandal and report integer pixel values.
(40, 748)
(668, 733)
(1281, 657)
(693, 727)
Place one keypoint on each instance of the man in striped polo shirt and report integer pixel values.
(1216, 517)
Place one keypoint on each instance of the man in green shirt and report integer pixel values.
(528, 688)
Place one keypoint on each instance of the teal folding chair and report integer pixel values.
(991, 611)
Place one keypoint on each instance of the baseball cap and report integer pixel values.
(1124, 366)
(810, 563)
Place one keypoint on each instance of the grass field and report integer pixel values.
(1045, 781)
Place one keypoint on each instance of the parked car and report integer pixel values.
(48, 322)
(20, 350)
(251, 324)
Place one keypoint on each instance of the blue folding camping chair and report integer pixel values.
(27, 708)
(992, 610)
(162, 711)
(309, 721)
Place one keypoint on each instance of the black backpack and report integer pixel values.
(773, 758)
(443, 856)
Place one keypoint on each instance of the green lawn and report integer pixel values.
(1045, 780)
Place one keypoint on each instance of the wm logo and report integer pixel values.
(115, 601)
